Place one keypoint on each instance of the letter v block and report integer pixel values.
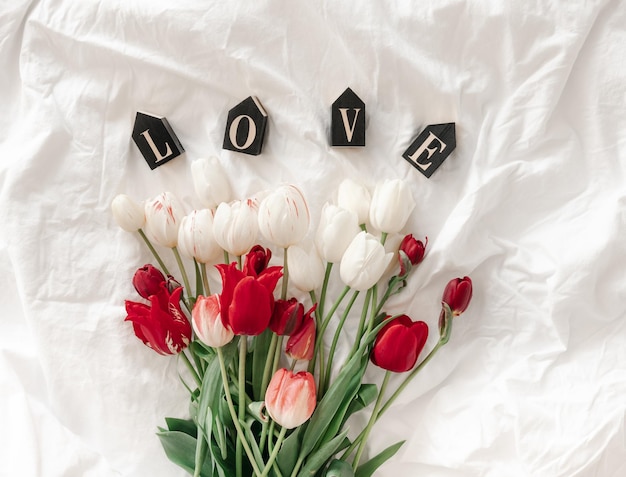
(156, 139)
(245, 127)
(348, 120)
(431, 147)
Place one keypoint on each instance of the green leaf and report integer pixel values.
(259, 358)
(365, 396)
(289, 451)
(319, 458)
(332, 408)
(368, 468)
(182, 425)
(180, 448)
(339, 468)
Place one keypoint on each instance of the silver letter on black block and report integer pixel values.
(431, 148)
(245, 127)
(348, 120)
(156, 139)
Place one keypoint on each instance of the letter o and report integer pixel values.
(234, 127)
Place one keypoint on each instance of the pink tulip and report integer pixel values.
(290, 398)
(207, 322)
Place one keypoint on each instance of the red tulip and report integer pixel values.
(290, 398)
(413, 251)
(301, 344)
(147, 281)
(457, 294)
(399, 344)
(287, 316)
(256, 260)
(160, 325)
(246, 302)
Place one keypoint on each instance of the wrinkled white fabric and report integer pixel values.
(530, 205)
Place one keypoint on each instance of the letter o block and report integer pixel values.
(245, 127)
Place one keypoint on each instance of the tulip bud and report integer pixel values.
(336, 230)
(148, 281)
(195, 236)
(399, 343)
(364, 262)
(286, 317)
(290, 398)
(301, 344)
(210, 182)
(207, 322)
(163, 216)
(356, 198)
(257, 260)
(306, 270)
(235, 226)
(392, 204)
(457, 294)
(411, 253)
(284, 216)
(128, 214)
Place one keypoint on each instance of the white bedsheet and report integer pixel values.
(530, 205)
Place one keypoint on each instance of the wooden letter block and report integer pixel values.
(348, 120)
(245, 127)
(156, 139)
(431, 148)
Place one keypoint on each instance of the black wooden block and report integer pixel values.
(431, 148)
(245, 127)
(156, 139)
(348, 120)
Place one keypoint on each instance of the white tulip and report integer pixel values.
(210, 182)
(195, 236)
(364, 262)
(354, 197)
(392, 204)
(128, 214)
(284, 216)
(306, 270)
(163, 216)
(336, 230)
(235, 226)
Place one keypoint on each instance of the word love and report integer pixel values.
(246, 127)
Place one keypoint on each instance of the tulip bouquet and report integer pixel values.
(269, 392)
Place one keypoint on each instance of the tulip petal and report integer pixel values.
(250, 309)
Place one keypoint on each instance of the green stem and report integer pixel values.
(297, 466)
(242, 402)
(205, 280)
(226, 258)
(233, 414)
(322, 302)
(283, 292)
(183, 272)
(154, 252)
(359, 333)
(408, 379)
(331, 353)
(191, 369)
(274, 453)
(268, 364)
(372, 420)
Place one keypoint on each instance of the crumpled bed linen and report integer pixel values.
(530, 205)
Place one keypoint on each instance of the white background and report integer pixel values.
(530, 205)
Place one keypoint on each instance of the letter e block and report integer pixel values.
(348, 120)
(245, 127)
(433, 145)
(155, 139)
